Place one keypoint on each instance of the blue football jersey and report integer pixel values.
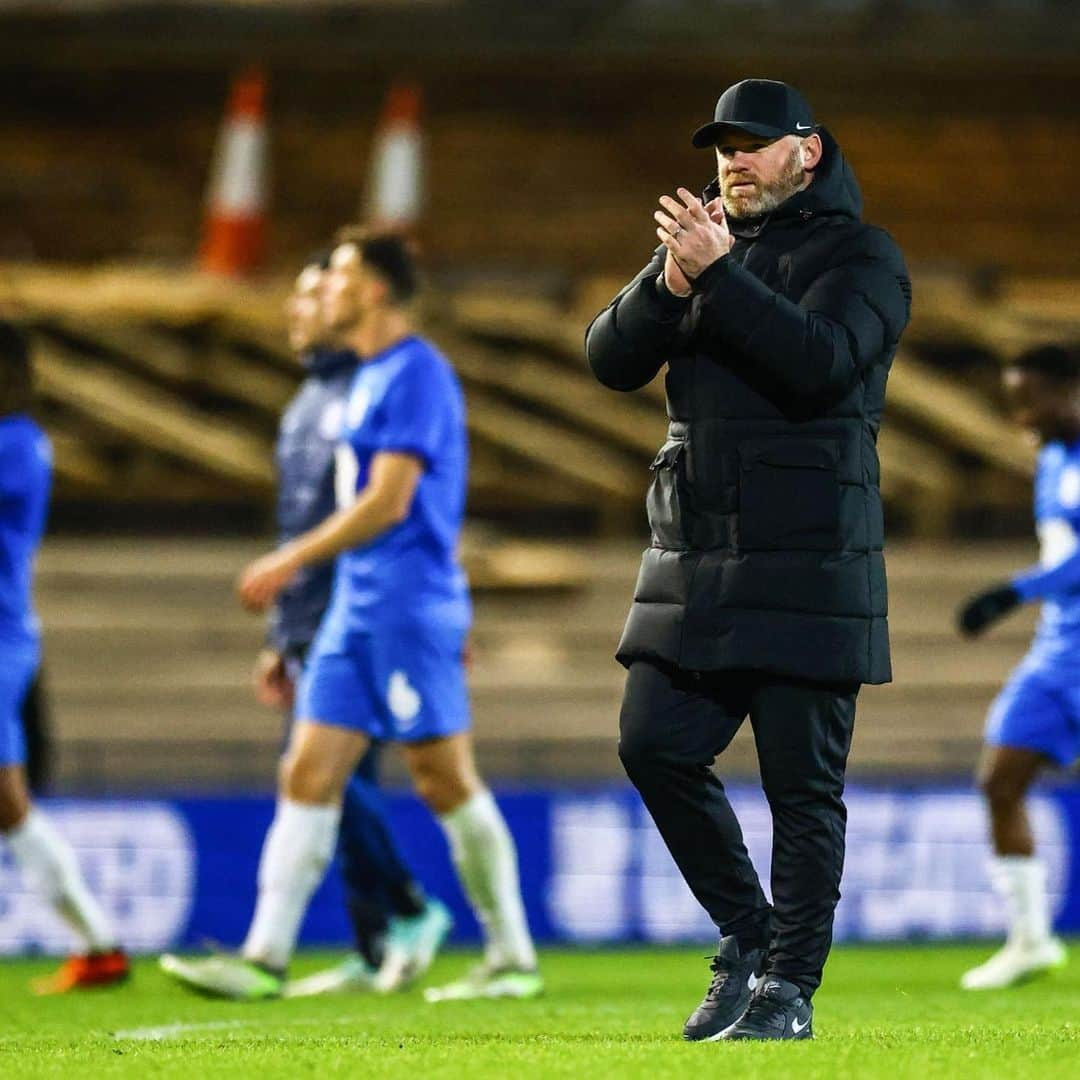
(406, 399)
(25, 480)
(1056, 581)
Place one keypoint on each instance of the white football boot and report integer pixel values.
(1016, 962)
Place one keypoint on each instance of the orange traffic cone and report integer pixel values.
(234, 233)
(395, 189)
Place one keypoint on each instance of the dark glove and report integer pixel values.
(985, 608)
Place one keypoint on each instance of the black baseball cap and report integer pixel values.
(761, 107)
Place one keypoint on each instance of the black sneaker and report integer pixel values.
(777, 1011)
(733, 982)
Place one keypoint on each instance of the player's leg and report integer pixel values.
(43, 854)
(671, 727)
(1005, 775)
(1027, 730)
(300, 844)
(378, 884)
(38, 734)
(446, 778)
(296, 852)
(1017, 875)
(321, 756)
(385, 903)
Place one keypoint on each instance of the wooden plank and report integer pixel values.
(923, 478)
(138, 293)
(517, 484)
(531, 320)
(523, 566)
(908, 462)
(157, 350)
(152, 417)
(77, 464)
(574, 396)
(246, 380)
(570, 456)
(958, 417)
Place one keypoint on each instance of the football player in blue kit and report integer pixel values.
(1035, 720)
(393, 922)
(388, 661)
(43, 855)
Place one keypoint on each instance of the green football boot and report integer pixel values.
(353, 975)
(487, 983)
(411, 945)
(230, 977)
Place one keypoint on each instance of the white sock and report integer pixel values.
(1020, 880)
(295, 854)
(48, 860)
(486, 861)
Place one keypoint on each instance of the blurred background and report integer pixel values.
(166, 167)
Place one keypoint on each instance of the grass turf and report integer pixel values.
(883, 1012)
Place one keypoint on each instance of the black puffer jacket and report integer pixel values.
(765, 510)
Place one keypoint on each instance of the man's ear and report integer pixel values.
(812, 151)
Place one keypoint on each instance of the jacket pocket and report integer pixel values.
(666, 500)
(789, 495)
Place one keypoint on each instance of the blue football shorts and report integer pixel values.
(18, 665)
(398, 684)
(1038, 709)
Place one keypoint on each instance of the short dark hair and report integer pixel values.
(389, 254)
(16, 376)
(1054, 361)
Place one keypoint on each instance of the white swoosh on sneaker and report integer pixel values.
(796, 1027)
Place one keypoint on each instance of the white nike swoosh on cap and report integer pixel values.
(803, 127)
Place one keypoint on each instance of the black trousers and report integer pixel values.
(673, 724)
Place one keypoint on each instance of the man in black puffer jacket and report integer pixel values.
(762, 594)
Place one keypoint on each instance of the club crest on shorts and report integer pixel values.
(403, 699)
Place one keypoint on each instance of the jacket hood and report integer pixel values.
(834, 191)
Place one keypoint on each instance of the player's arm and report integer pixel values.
(1035, 583)
(634, 336)
(383, 503)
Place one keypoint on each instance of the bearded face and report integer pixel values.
(755, 181)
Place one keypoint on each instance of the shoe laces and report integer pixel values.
(723, 982)
(765, 1010)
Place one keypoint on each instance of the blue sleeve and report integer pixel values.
(25, 462)
(415, 412)
(14, 475)
(1039, 583)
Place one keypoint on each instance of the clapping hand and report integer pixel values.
(695, 235)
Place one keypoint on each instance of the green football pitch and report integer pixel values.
(883, 1012)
